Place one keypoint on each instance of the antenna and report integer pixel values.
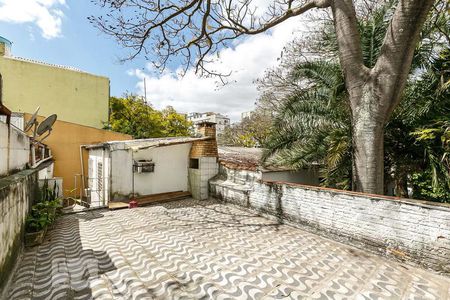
(32, 122)
(46, 126)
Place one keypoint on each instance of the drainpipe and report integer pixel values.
(110, 174)
(82, 172)
(103, 175)
(132, 172)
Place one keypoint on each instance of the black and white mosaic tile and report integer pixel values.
(206, 250)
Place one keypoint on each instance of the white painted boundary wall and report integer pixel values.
(19, 149)
(409, 230)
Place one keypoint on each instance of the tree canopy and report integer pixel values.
(193, 30)
(313, 115)
(251, 131)
(132, 115)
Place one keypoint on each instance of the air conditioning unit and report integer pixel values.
(143, 166)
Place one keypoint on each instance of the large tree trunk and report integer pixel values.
(368, 136)
(374, 93)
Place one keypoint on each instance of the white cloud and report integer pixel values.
(46, 14)
(247, 60)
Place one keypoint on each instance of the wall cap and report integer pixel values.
(422, 203)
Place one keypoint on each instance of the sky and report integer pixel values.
(58, 32)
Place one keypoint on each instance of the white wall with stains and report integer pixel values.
(14, 149)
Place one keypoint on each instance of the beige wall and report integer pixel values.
(65, 141)
(74, 96)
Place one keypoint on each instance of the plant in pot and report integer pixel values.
(36, 225)
(53, 209)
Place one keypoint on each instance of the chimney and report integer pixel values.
(207, 129)
(5, 47)
(205, 148)
(203, 161)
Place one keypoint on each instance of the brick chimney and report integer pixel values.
(205, 148)
(203, 161)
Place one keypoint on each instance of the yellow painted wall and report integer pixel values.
(74, 96)
(65, 141)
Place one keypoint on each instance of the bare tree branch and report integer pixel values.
(191, 29)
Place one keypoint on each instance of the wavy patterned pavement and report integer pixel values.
(206, 250)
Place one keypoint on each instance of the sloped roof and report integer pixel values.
(146, 143)
(241, 158)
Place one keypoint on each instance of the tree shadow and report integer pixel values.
(63, 265)
(215, 213)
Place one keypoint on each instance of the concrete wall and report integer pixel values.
(74, 96)
(306, 176)
(409, 230)
(65, 141)
(17, 193)
(171, 171)
(121, 174)
(18, 154)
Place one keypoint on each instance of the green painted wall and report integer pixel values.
(74, 96)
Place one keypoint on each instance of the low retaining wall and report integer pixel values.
(17, 193)
(410, 230)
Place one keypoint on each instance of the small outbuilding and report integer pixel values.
(240, 158)
(123, 170)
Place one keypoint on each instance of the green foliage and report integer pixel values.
(313, 122)
(44, 212)
(250, 132)
(313, 125)
(132, 115)
(48, 194)
(423, 188)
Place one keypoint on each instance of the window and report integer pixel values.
(193, 163)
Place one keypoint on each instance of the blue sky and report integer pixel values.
(57, 31)
(79, 45)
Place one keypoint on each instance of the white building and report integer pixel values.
(246, 114)
(220, 120)
(123, 170)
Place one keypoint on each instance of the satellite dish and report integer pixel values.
(32, 120)
(46, 126)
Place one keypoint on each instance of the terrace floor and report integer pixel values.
(204, 249)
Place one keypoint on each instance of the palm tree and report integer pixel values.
(313, 123)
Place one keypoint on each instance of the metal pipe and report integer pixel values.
(103, 176)
(82, 173)
(132, 172)
(33, 154)
(110, 175)
(75, 188)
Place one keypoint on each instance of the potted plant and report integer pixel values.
(36, 225)
(53, 209)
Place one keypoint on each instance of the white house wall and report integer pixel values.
(19, 149)
(171, 169)
(121, 174)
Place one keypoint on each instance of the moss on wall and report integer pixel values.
(17, 193)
